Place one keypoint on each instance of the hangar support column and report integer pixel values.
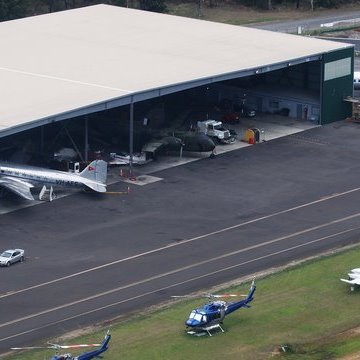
(131, 138)
(86, 142)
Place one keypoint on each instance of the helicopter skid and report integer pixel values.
(205, 330)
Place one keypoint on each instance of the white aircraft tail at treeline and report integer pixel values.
(20, 179)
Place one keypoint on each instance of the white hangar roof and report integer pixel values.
(74, 62)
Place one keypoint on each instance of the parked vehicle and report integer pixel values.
(231, 118)
(215, 130)
(12, 256)
(247, 112)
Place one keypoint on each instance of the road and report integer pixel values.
(310, 23)
(93, 257)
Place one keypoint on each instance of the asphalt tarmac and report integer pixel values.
(93, 257)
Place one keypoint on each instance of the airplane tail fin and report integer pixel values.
(95, 171)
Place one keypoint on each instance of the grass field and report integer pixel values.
(305, 308)
(232, 13)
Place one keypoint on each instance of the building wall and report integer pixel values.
(298, 103)
(337, 83)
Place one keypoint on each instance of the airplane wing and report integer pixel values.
(19, 187)
(355, 281)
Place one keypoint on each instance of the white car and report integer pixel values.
(12, 256)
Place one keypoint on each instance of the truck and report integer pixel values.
(216, 131)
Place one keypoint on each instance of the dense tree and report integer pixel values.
(153, 5)
(13, 9)
(310, 4)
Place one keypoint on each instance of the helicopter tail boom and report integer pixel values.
(96, 353)
(250, 296)
(242, 303)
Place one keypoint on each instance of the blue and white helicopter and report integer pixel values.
(84, 356)
(211, 315)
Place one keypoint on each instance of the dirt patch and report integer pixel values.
(348, 34)
(355, 332)
(352, 357)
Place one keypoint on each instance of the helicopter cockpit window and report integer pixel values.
(192, 315)
(204, 318)
(198, 317)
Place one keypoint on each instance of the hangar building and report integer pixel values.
(68, 64)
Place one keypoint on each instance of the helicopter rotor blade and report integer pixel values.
(209, 296)
(78, 346)
(226, 295)
(57, 346)
(30, 347)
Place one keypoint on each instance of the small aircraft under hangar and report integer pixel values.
(66, 66)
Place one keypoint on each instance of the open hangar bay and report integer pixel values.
(244, 212)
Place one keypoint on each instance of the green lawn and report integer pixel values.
(304, 307)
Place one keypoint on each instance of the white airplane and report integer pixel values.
(20, 179)
(354, 278)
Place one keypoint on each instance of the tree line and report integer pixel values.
(14, 9)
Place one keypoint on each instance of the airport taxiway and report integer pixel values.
(93, 257)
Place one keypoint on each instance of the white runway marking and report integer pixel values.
(265, 217)
(155, 277)
(159, 289)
